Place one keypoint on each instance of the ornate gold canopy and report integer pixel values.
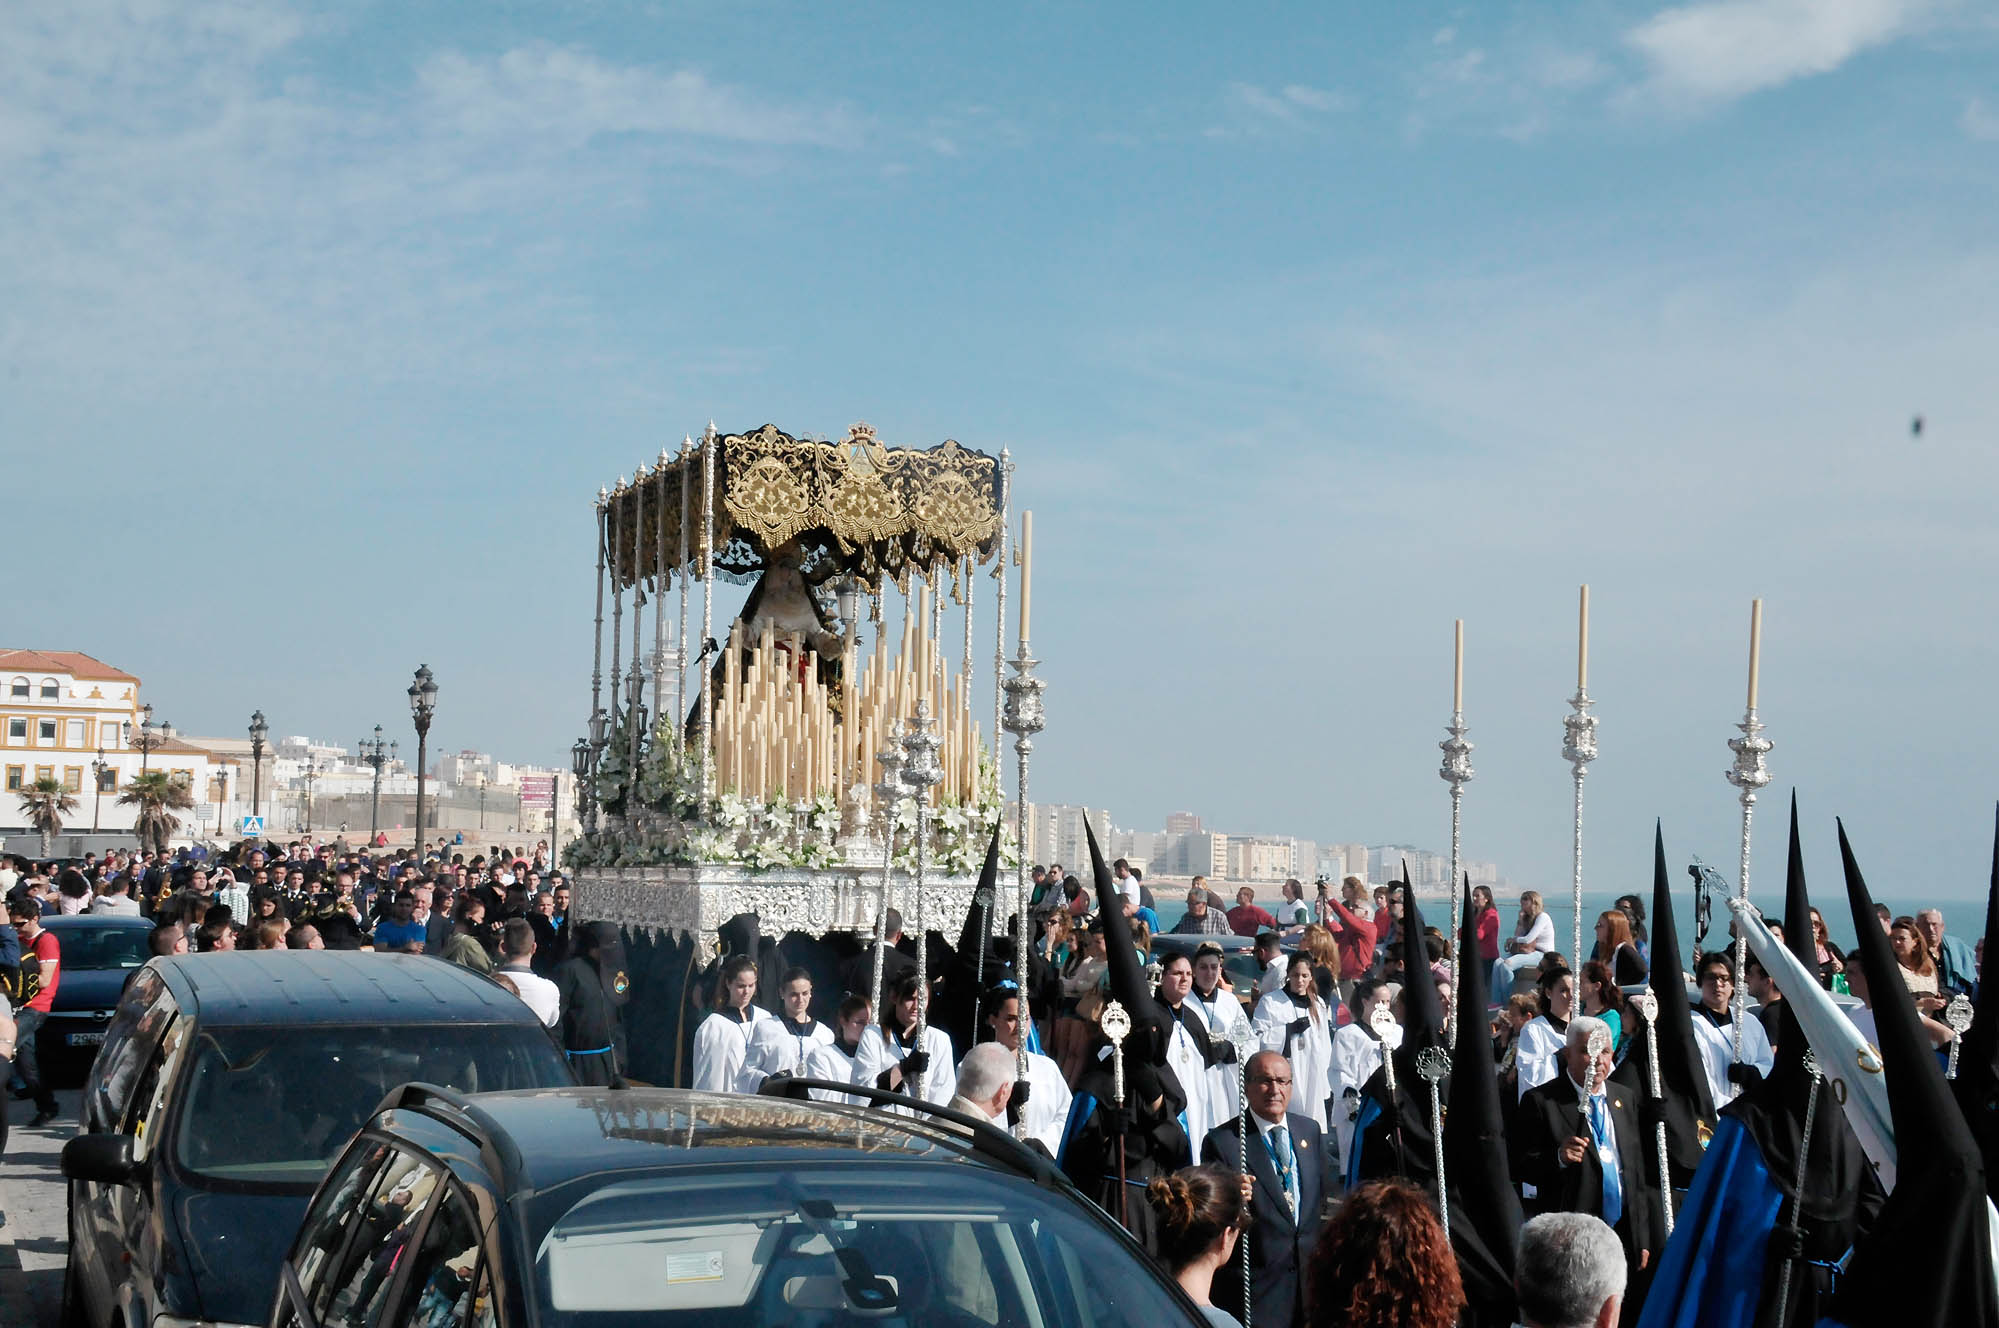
(850, 506)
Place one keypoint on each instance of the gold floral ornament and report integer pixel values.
(860, 507)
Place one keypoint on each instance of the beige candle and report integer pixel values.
(1458, 672)
(1755, 647)
(1582, 644)
(1026, 552)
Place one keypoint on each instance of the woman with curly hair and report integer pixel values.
(1200, 1215)
(1383, 1262)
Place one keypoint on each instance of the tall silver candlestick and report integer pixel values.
(1748, 774)
(1246, 1044)
(921, 773)
(1578, 749)
(680, 575)
(1647, 1007)
(1023, 719)
(999, 603)
(1433, 1066)
(1457, 772)
(888, 797)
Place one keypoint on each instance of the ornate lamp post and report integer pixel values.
(151, 737)
(311, 773)
(259, 730)
(579, 765)
(423, 704)
(600, 739)
(377, 754)
(97, 768)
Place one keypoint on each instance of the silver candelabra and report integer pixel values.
(888, 796)
(1748, 774)
(920, 773)
(1457, 772)
(1578, 749)
(1023, 718)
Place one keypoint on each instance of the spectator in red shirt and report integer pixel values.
(38, 941)
(1354, 932)
(1487, 915)
(1245, 919)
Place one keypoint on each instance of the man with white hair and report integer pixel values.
(1577, 1140)
(985, 1082)
(1957, 964)
(1045, 1103)
(1569, 1272)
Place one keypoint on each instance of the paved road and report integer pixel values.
(33, 1244)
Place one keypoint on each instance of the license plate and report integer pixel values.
(93, 1038)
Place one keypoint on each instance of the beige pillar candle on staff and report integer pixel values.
(1755, 647)
(1458, 672)
(1582, 644)
(1026, 554)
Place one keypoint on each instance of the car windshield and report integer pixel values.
(274, 1106)
(88, 948)
(926, 1243)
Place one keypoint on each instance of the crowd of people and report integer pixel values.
(1340, 993)
(1315, 1041)
(504, 912)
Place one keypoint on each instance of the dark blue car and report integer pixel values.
(100, 953)
(227, 1085)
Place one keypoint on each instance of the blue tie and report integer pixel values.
(1279, 1141)
(1613, 1185)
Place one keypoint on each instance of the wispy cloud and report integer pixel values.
(1980, 121)
(572, 96)
(1703, 54)
(188, 203)
(1291, 104)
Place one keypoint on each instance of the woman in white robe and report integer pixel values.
(1293, 1021)
(1357, 1052)
(722, 1042)
(1537, 1054)
(885, 1046)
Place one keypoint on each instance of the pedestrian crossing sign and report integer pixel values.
(253, 825)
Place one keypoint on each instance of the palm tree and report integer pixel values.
(157, 795)
(46, 802)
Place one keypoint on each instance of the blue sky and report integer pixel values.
(1311, 328)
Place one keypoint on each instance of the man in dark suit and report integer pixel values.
(1594, 1159)
(1290, 1170)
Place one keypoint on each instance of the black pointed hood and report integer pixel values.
(1928, 1256)
(1689, 1106)
(1773, 1111)
(1485, 1208)
(1797, 902)
(1127, 977)
(1977, 1084)
(1423, 1013)
(978, 929)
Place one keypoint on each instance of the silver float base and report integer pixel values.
(698, 900)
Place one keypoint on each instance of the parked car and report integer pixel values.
(100, 953)
(226, 1086)
(599, 1207)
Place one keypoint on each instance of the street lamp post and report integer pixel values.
(579, 765)
(423, 704)
(377, 754)
(151, 736)
(97, 768)
(311, 773)
(259, 730)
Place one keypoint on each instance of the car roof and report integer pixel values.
(257, 988)
(95, 921)
(549, 1136)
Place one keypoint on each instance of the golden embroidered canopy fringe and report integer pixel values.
(852, 506)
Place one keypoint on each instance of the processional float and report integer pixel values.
(820, 758)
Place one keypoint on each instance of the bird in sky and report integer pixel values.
(1916, 427)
